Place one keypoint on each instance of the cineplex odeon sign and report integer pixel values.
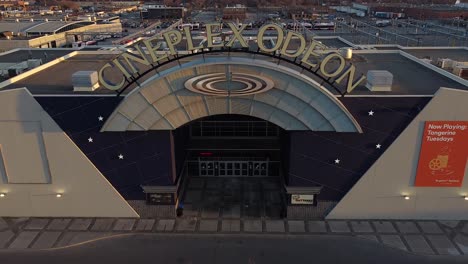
(146, 54)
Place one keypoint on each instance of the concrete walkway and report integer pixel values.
(420, 237)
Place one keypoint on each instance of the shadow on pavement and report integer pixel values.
(206, 249)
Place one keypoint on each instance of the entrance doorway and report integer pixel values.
(234, 197)
(233, 169)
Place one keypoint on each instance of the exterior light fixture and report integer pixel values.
(406, 197)
(464, 197)
(2, 195)
(58, 195)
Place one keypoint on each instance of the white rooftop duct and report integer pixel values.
(379, 81)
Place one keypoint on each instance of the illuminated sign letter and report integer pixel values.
(311, 52)
(210, 35)
(335, 72)
(237, 35)
(350, 85)
(121, 68)
(106, 83)
(188, 37)
(128, 57)
(152, 49)
(172, 38)
(279, 40)
(301, 48)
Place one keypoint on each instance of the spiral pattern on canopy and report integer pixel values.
(237, 84)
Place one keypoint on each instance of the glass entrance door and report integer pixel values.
(207, 168)
(260, 168)
(233, 168)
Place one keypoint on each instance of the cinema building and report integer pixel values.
(241, 129)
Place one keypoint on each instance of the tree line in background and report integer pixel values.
(263, 3)
(71, 4)
(248, 3)
(64, 4)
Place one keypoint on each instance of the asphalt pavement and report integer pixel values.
(238, 249)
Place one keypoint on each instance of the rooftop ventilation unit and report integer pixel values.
(17, 69)
(379, 81)
(461, 70)
(427, 61)
(347, 53)
(4, 69)
(445, 63)
(33, 63)
(85, 81)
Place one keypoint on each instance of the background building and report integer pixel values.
(234, 12)
(150, 11)
(52, 34)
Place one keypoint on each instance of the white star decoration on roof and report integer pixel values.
(121, 156)
(100, 118)
(90, 139)
(337, 161)
(371, 113)
(378, 146)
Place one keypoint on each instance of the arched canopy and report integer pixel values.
(197, 89)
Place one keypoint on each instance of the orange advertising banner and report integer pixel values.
(444, 154)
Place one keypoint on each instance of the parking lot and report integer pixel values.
(401, 32)
(360, 31)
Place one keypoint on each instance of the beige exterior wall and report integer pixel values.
(114, 27)
(41, 42)
(13, 44)
(63, 39)
(38, 160)
(44, 42)
(379, 194)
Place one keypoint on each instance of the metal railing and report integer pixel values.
(379, 33)
(181, 183)
(421, 29)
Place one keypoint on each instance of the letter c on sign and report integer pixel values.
(106, 83)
